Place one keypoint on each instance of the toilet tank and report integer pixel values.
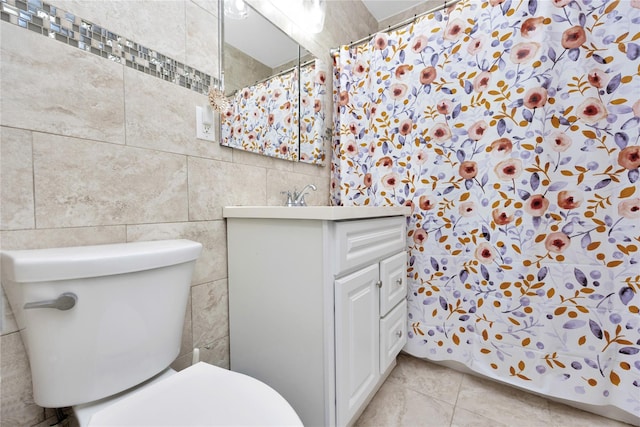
(125, 327)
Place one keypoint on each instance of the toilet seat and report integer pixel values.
(201, 395)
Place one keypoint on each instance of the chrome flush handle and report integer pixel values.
(65, 301)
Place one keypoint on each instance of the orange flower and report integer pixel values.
(485, 253)
(536, 205)
(440, 132)
(428, 75)
(391, 180)
(573, 37)
(468, 169)
(509, 169)
(380, 41)
(481, 82)
(501, 217)
(569, 199)
(420, 236)
(559, 141)
(398, 90)
(385, 162)
(557, 242)
(405, 127)
(502, 147)
(344, 97)
(419, 44)
(427, 203)
(467, 209)
(475, 45)
(521, 53)
(629, 208)
(535, 97)
(476, 131)
(454, 30)
(591, 111)
(368, 180)
(402, 70)
(444, 106)
(531, 26)
(629, 157)
(597, 78)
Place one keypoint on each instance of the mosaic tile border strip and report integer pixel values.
(55, 23)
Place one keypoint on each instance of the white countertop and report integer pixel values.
(331, 213)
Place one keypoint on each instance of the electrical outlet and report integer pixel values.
(206, 132)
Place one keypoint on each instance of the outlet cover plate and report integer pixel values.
(206, 133)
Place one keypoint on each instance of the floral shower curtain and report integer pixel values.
(313, 105)
(511, 129)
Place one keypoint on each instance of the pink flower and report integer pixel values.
(351, 148)
(359, 69)
(426, 203)
(454, 30)
(440, 132)
(636, 105)
(283, 149)
(428, 75)
(535, 97)
(501, 217)
(531, 26)
(508, 169)
(380, 41)
(368, 180)
(467, 209)
(353, 128)
(475, 45)
(559, 141)
(321, 77)
(591, 111)
(421, 157)
(344, 97)
(317, 105)
(569, 199)
(476, 131)
(405, 127)
(557, 242)
(629, 208)
(398, 90)
(635, 4)
(485, 253)
(468, 169)
(573, 37)
(419, 43)
(536, 205)
(420, 236)
(481, 82)
(629, 157)
(402, 70)
(501, 148)
(444, 106)
(521, 53)
(385, 162)
(597, 78)
(410, 204)
(391, 180)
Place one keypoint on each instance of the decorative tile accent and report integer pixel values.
(55, 23)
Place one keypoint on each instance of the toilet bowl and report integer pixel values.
(101, 325)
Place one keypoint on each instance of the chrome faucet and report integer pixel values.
(298, 198)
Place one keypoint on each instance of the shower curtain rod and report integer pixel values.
(400, 24)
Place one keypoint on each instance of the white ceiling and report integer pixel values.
(383, 9)
(272, 47)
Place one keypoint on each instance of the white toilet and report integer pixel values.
(101, 325)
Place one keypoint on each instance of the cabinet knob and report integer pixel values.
(399, 282)
(379, 283)
(399, 334)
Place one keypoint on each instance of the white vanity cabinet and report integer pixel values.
(317, 303)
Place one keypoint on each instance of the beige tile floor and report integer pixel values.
(419, 393)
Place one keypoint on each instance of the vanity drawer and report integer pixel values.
(364, 241)
(393, 276)
(393, 334)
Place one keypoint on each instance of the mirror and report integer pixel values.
(277, 90)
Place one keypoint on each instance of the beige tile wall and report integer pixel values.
(94, 152)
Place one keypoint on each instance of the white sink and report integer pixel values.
(331, 213)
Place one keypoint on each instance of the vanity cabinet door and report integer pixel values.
(393, 275)
(357, 329)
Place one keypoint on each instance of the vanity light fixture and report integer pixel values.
(235, 9)
(314, 12)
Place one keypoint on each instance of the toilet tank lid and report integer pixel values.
(39, 265)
